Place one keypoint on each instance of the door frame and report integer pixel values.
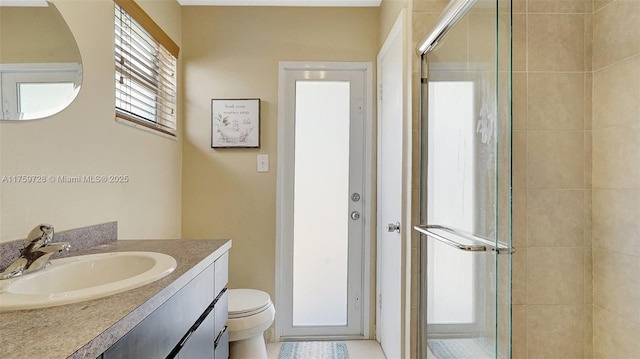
(284, 134)
(395, 35)
(400, 29)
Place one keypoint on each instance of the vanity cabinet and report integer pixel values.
(191, 324)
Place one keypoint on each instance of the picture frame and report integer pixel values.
(235, 123)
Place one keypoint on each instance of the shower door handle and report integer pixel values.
(460, 239)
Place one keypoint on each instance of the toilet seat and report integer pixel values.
(247, 302)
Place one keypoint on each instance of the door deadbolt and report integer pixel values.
(355, 197)
(355, 215)
(393, 227)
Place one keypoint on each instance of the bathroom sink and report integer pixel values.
(80, 278)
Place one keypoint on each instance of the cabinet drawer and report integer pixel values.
(201, 343)
(221, 312)
(222, 345)
(163, 329)
(222, 272)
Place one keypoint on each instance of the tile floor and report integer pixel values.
(358, 349)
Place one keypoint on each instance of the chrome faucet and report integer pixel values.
(35, 255)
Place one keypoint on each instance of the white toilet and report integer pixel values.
(250, 314)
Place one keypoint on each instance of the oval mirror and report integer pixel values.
(40, 64)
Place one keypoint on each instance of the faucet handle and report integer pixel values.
(40, 235)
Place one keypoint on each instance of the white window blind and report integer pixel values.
(145, 73)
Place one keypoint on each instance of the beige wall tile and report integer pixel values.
(598, 4)
(588, 159)
(615, 220)
(455, 48)
(555, 159)
(616, 283)
(588, 42)
(519, 158)
(421, 23)
(616, 94)
(555, 218)
(555, 275)
(413, 340)
(588, 101)
(415, 212)
(519, 276)
(555, 42)
(415, 105)
(588, 332)
(504, 330)
(616, 155)
(555, 331)
(555, 101)
(616, 32)
(429, 5)
(519, 331)
(519, 44)
(588, 220)
(519, 101)
(588, 276)
(415, 160)
(519, 6)
(415, 101)
(520, 218)
(559, 6)
(415, 277)
(613, 336)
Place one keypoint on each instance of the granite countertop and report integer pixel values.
(87, 329)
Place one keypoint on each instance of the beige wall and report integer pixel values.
(389, 11)
(84, 139)
(35, 34)
(233, 52)
(616, 179)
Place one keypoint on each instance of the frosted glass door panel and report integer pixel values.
(321, 207)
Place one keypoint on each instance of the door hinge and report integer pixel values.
(380, 92)
(380, 301)
(360, 105)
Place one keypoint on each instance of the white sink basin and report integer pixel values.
(80, 278)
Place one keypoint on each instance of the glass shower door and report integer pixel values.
(466, 187)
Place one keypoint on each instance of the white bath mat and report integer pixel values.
(313, 350)
(466, 348)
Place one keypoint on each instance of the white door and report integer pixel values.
(390, 127)
(322, 196)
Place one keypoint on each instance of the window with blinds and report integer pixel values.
(145, 70)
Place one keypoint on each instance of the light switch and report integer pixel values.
(263, 163)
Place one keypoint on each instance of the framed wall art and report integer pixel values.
(235, 123)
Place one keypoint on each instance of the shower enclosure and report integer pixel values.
(465, 209)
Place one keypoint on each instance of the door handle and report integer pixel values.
(393, 227)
